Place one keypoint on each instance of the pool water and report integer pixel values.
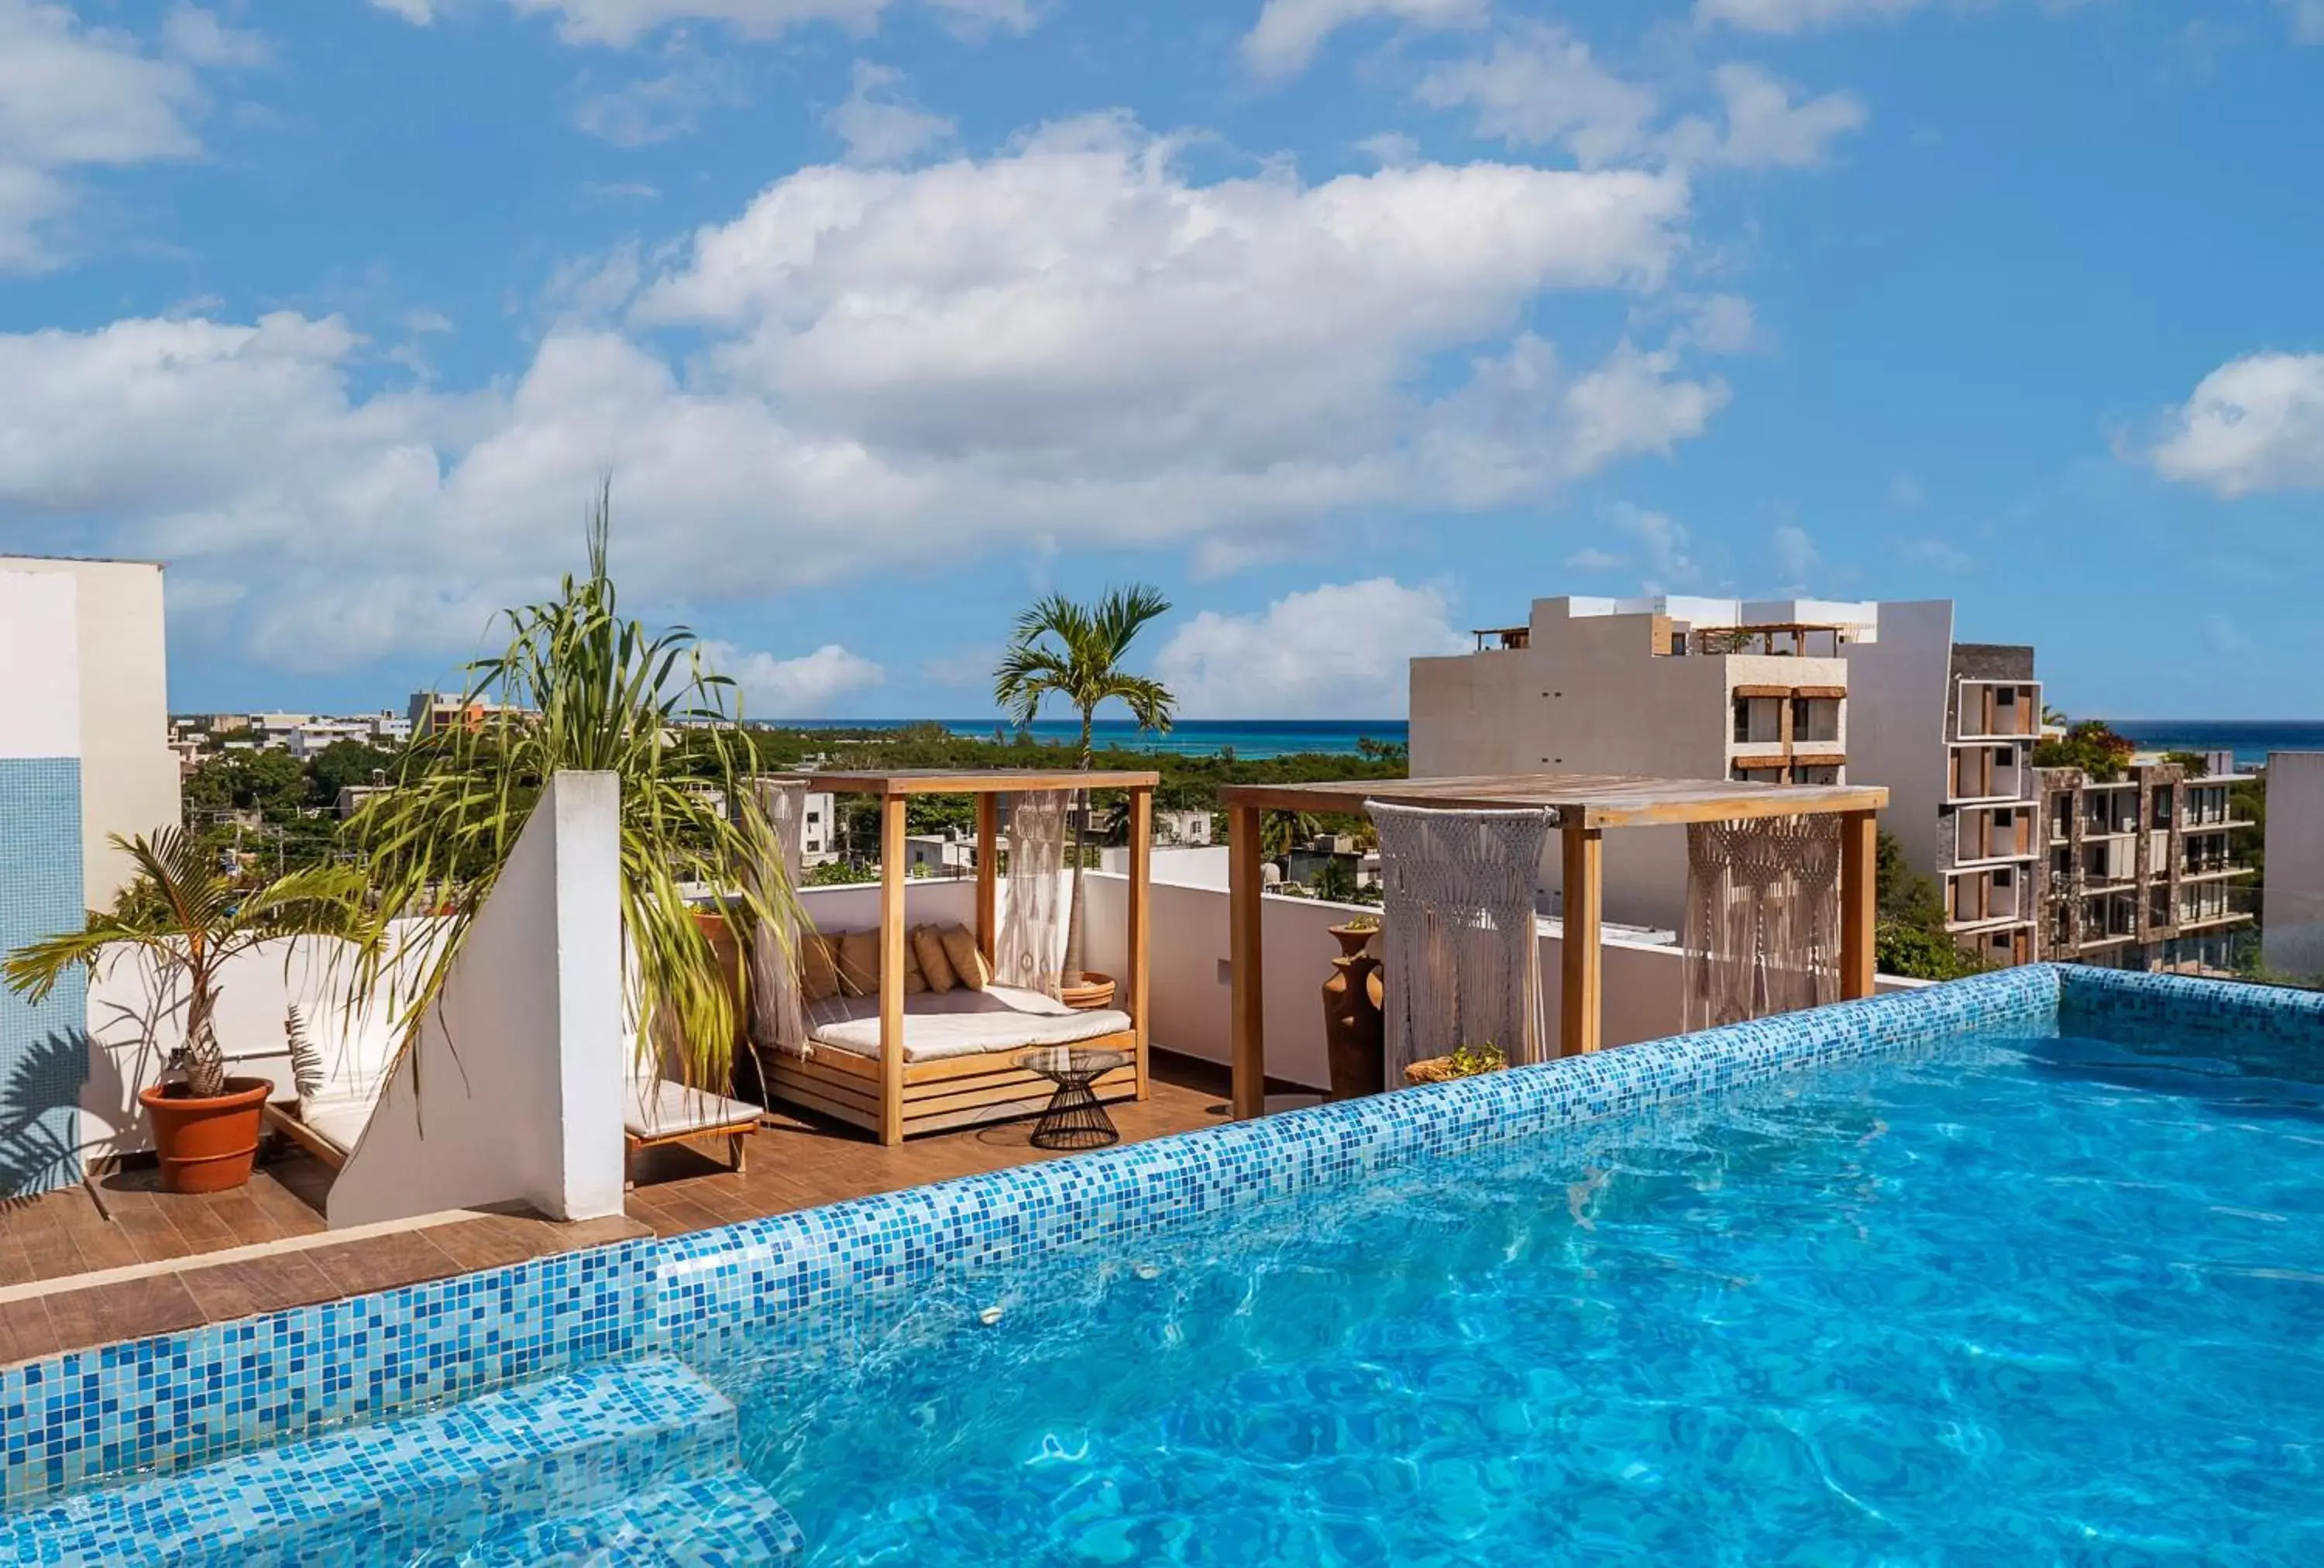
(2015, 1301)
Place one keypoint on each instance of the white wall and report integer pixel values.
(513, 1091)
(129, 775)
(1193, 867)
(855, 906)
(136, 1017)
(40, 666)
(2292, 940)
(1190, 996)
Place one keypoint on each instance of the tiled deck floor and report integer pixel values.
(160, 1247)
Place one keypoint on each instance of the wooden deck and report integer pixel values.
(122, 1260)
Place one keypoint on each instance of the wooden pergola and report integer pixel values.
(1583, 807)
(963, 1091)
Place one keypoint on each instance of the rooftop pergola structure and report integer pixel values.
(932, 1096)
(1583, 807)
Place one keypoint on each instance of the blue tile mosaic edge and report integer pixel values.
(162, 1404)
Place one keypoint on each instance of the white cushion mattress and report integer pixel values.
(960, 1022)
(657, 1108)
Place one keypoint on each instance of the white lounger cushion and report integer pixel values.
(657, 1108)
(960, 1023)
(339, 1120)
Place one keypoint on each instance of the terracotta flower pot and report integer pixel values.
(1353, 1028)
(206, 1145)
(1088, 993)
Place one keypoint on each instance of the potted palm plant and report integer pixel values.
(578, 689)
(193, 917)
(1062, 649)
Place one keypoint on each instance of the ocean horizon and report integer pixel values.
(2251, 740)
(1253, 738)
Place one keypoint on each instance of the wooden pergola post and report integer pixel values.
(1247, 1001)
(892, 969)
(1136, 982)
(1581, 1003)
(1859, 839)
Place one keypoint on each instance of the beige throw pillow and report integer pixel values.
(915, 982)
(967, 963)
(859, 964)
(927, 946)
(818, 971)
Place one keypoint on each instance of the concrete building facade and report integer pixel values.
(1669, 687)
(2139, 870)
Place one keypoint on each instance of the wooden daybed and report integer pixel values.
(898, 1064)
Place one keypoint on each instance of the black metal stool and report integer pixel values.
(1074, 1119)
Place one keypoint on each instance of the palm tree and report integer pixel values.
(194, 918)
(1062, 649)
(580, 689)
(1281, 832)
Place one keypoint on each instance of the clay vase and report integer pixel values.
(206, 1145)
(1352, 1027)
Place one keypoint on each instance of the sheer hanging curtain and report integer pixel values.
(1461, 961)
(778, 1014)
(1762, 918)
(1032, 950)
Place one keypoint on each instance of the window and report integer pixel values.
(2158, 905)
(2004, 756)
(1815, 773)
(2004, 877)
(1815, 719)
(1742, 720)
(2162, 806)
(2061, 861)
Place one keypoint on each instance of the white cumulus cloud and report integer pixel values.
(803, 688)
(1539, 84)
(1764, 127)
(1340, 650)
(2255, 423)
(1289, 31)
(1069, 342)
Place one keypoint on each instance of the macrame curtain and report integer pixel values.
(1762, 918)
(1032, 950)
(1461, 961)
(778, 1013)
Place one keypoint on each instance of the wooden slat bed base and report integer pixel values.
(951, 1092)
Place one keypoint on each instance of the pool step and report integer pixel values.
(422, 1488)
(721, 1521)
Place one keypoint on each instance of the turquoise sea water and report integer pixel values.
(2251, 740)
(1251, 738)
(2016, 1301)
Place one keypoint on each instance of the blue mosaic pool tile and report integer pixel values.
(720, 1521)
(2133, 1008)
(165, 1404)
(400, 1491)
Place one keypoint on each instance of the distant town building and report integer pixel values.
(430, 711)
(2031, 862)
(1182, 829)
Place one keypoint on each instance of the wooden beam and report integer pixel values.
(1580, 996)
(1859, 839)
(988, 874)
(1246, 1004)
(892, 969)
(1141, 923)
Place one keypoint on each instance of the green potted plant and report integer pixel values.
(193, 919)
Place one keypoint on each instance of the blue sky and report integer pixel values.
(1349, 323)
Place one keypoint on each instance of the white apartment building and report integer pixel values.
(318, 734)
(129, 776)
(819, 829)
(1666, 686)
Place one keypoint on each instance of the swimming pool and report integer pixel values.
(2022, 1268)
(1997, 1299)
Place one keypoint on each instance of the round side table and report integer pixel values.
(1073, 1120)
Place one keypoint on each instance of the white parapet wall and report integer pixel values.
(513, 1091)
(1189, 1004)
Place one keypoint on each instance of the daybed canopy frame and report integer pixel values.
(1582, 808)
(933, 1095)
